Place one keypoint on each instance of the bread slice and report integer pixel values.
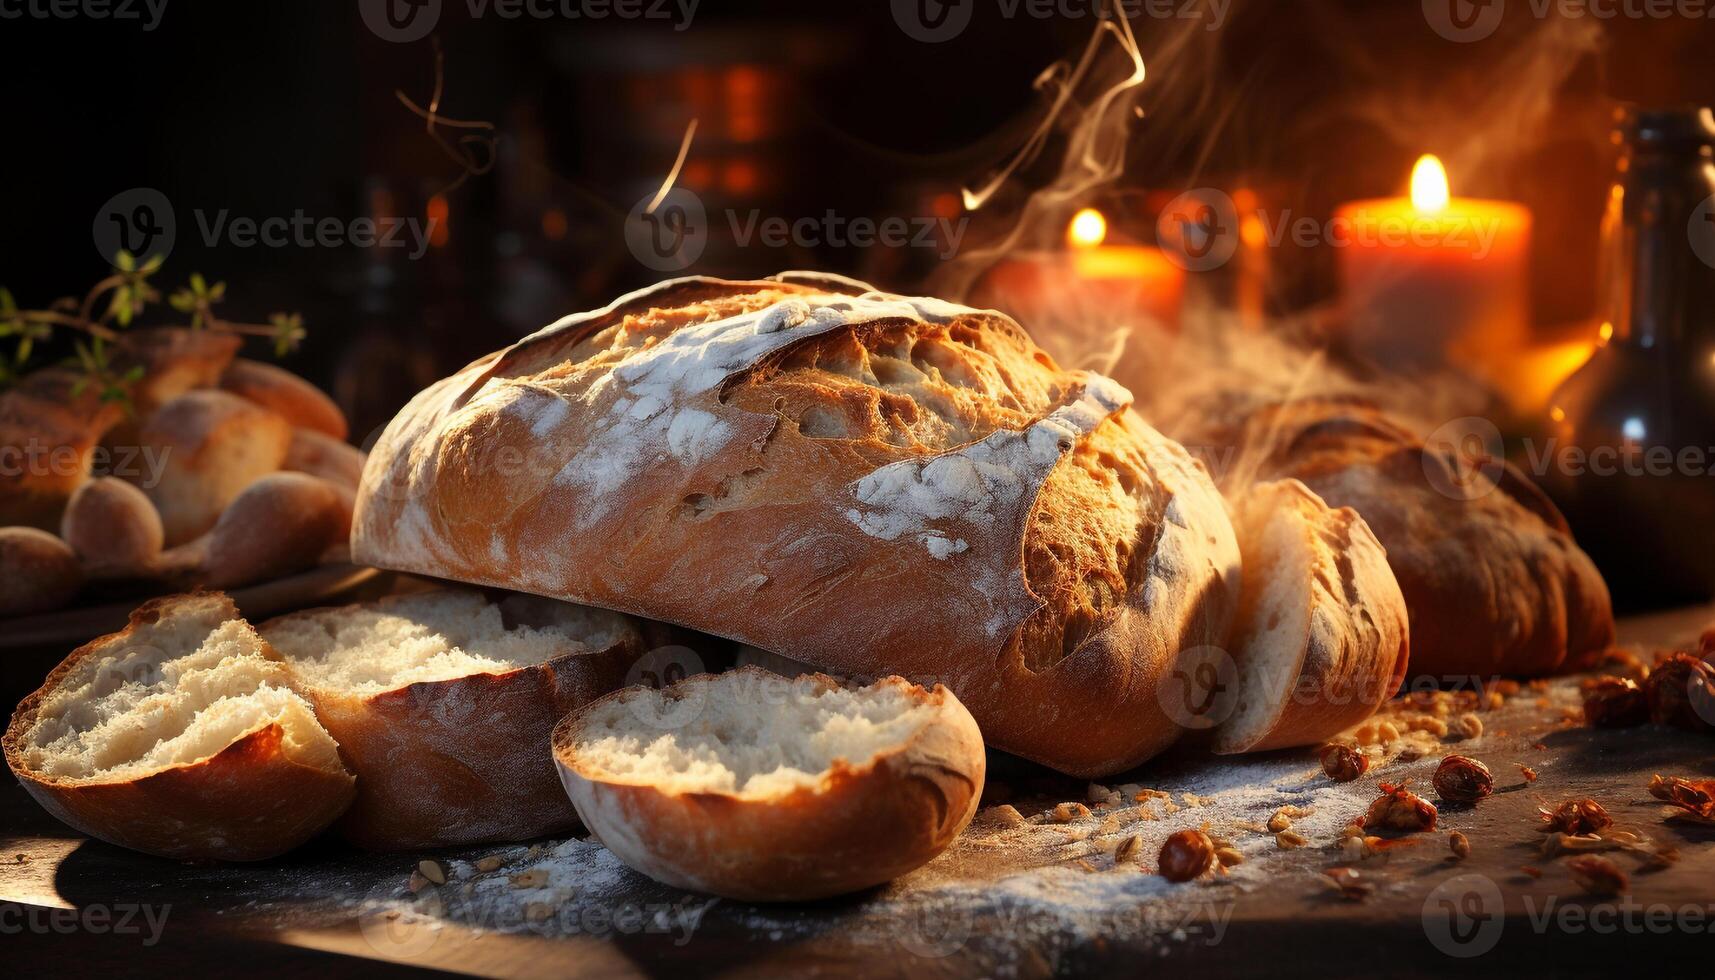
(757, 787)
(179, 736)
(1321, 638)
(442, 703)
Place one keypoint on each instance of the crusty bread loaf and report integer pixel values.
(871, 483)
(179, 736)
(1321, 636)
(175, 360)
(1491, 576)
(212, 445)
(443, 703)
(322, 455)
(287, 395)
(280, 524)
(38, 571)
(758, 788)
(114, 529)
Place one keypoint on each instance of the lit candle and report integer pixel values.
(1092, 287)
(1433, 279)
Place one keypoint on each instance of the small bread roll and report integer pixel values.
(334, 460)
(38, 571)
(209, 446)
(180, 736)
(280, 524)
(761, 788)
(113, 528)
(289, 396)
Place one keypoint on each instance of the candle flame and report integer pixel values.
(1088, 229)
(1429, 192)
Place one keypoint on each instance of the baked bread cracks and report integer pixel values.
(874, 484)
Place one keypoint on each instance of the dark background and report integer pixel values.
(266, 107)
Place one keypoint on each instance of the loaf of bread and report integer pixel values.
(114, 529)
(1321, 636)
(211, 445)
(179, 736)
(53, 421)
(870, 483)
(317, 454)
(763, 789)
(287, 395)
(280, 524)
(443, 704)
(1492, 579)
(38, 571)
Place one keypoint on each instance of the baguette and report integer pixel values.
(280, 524)
(179, 736)
(212, 445)
(758, 788)
(287, 395)
(875, 484)
(443, 702)
(1321, 637)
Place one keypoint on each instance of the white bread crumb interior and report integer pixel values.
(171, 693)
(435, 636)
(748, 734)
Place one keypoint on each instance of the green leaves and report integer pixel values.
(288, 332)
(16, 323)
(198, 300)
(131, 289)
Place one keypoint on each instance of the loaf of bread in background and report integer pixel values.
(763, 789)
(1321, 636)
(210, 446)
(1491, 576)
(280, 524)
(443, 704)
(287, 395)
(38, 571)
(179, 736)
(114, 529)
(322, 455)
(871, 483)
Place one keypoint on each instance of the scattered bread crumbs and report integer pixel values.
(1527, 772)
(489, 863)
(1288, 840)
(433, 871)
(1229, 857)
(533, 878)
(1192, 799)
(1127, 849)
(1469, 726)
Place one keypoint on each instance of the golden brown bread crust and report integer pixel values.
(38, 572)
(287, 395)
(249, 802)
(1490, 573)
(211, 445)
(321, 455)
(465, 760)
(113, 528)
(869, 483)
(280, 524)
(865, 825)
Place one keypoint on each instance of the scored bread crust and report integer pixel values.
(462, 760)
(1307, 673)
(1493, 580)
(248, 802)
(865, 823)
(871, 483)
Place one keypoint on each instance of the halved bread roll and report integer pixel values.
(179, 736)
(1321, 638)
(761, 788)
(442, 703)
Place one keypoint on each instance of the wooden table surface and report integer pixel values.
(68, 904)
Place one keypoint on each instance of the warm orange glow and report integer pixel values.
(1605, 333)
(437, 214)
(1429, 193)
(553, 224)
(1088, 229)
(739, 177)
